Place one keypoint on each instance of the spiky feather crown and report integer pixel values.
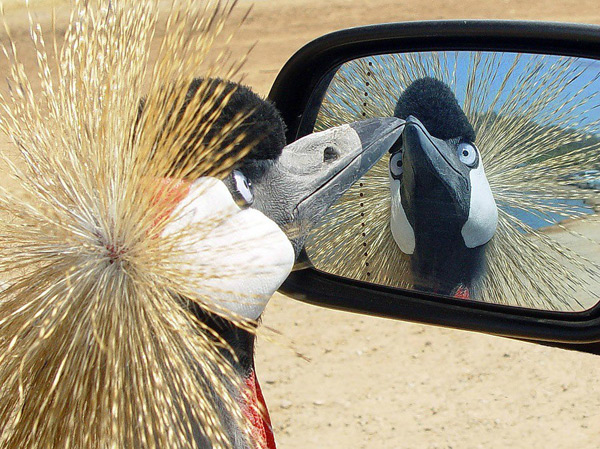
(97, 348)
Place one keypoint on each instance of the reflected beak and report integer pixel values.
(434, 181)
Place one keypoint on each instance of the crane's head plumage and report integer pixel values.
(98, 343)
(435, 105)
(262, 129)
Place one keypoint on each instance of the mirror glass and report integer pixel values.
(493, 191)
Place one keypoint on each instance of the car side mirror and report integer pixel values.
(484, 215)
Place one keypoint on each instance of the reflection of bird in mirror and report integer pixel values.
(442, 208)
(134, 279)
(534, 121)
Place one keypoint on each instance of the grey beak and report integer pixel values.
(377, 136)
(433, 152)
(314, 171)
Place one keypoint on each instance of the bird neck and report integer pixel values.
(448, 268)
(241, 357)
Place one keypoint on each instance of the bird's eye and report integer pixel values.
(242, 194)
(330, 154)
(467, 153)
(396, 164)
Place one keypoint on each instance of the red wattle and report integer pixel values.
(170, 192)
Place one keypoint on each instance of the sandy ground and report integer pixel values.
(375, 383)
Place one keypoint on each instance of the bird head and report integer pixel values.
(294, 185)
(296, 189)
(440, 193)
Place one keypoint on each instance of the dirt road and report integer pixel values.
(375, 383)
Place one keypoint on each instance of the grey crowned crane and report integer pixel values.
(129, 269)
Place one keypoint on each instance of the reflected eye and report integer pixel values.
(396, 164)
(242, 195)
(467, 153)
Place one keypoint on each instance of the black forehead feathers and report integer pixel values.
(434, 104)
(263, 125)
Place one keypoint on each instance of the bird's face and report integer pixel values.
(232, 238)
(439, 192)
(296, 189)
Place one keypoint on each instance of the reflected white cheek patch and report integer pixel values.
(483, 214)
(402, 231)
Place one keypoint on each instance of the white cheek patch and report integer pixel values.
(483, 214)
(402, 231)
(241, 262)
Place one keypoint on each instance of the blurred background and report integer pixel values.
(338, 380)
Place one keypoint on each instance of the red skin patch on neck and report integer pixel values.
(462, 292)
(170, 192)
(256, 411)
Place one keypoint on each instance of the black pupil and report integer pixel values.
(399, 163)
(465, 153)
(329, 154)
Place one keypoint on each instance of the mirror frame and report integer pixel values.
(297, 92)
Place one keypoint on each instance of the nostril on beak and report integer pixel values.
(330, 154)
